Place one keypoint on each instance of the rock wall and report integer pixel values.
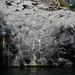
(30, 36)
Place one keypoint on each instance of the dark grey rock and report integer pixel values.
(24, 47)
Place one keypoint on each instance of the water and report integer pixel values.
(37, 71)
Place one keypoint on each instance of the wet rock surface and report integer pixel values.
(33, 36)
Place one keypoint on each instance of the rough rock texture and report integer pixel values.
(33, 36)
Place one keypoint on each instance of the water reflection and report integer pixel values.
(37, 71)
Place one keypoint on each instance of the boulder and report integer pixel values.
(32, 35)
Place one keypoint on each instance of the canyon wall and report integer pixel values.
(30, 35)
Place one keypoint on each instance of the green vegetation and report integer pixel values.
(73, 1)
(64, 4)
(73, 9)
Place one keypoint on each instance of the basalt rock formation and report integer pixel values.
(31, 36)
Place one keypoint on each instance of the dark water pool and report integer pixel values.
(37, 71)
